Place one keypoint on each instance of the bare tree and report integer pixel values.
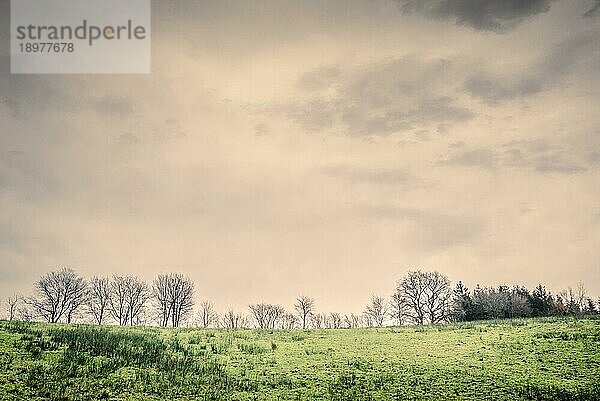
(304, 306)
(25, 313)
(412, 289)
(233, 320)
(98, 298)
(288, 321)
(352, 321)
(367, 320)
(206, 314)
(260, 313)
(182, 298)
(58, 294)
(356, 321)
(317, 320)
(397, 308)
(161, 298)
(173, 294)
(581, 295)
(128, 296)
(335, 320)
(266, 315)
(275, 314)
(427, 296)
(117, 301)
(377, 310)
(346, 322)
(12, 303)
(438, 295)
(137, 295)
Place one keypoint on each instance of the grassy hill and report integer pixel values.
(533, 359)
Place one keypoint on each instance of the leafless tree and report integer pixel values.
(368, 320)
(12, 303)
(233, 320)
(137, 295)
(352, 321)
(182, 298)
(161, 298)
(346, 322)
(173, 294)
(335, 320)
(58, 294)
(98, 298)
(275, 314)
(206, 314)
(266, 315)
(427, 296)
(317, 320)
(25, 313)
(412, 290)
(438, 295)
(118, 300)
(377, 310)
(288, 321)
(397, 309)
(304, 306)
(128, 296)
(581, 295)
(260, 313)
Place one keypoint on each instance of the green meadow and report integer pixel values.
(529, 359)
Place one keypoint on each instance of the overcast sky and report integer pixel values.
(322, 147)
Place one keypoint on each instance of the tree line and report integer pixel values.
(419, 298)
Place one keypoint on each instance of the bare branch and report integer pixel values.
(304, 306)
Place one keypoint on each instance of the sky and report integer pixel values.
(318, 147)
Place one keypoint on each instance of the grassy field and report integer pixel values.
(545, 359)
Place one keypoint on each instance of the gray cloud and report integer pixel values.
(594, 11)
(594, 157)
(429, 229)
(495, 89)
(371, 176)
(481, 157)
(556, 164)
(113, 105)
(26, 95)
(23, 175)
(442, 109)
(538, 155)
(486, 15)
(314, 114)
(391, 97)
(580, 51)
(320, 79)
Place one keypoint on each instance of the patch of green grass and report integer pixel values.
(525, 359)
(253, 349)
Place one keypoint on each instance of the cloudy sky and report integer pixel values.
(316, 147)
